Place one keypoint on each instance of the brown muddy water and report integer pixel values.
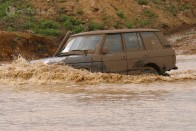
(42, 97)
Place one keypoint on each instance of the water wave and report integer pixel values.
(22, 72)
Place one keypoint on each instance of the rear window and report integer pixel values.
(151, 40)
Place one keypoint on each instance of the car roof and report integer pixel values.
(114, 31)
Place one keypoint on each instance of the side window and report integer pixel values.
(113, 43)
(131, 41)
(151, 38)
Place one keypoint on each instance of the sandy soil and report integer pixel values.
(184, 42)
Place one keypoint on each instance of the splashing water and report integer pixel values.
(22, 72)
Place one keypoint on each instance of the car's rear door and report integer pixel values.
(158, 54)
(137, 55)
(115, 60)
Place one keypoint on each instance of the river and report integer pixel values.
(41, 97)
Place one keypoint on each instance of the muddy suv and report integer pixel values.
(117, 51)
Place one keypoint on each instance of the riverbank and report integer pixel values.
(184, 42)
(29, 46)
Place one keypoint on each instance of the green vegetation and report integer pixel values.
(80, 12)
(10, 29)
(48, 24)
(47, 27)
(121, 14)
(95, 26)
(142, 22)
(29, 11)
(68, 25)
(148, 18)
(130, 25)
(3, 7)
(74, 21)
(156, 1)
(172, 9)
(186, 7)
(143, 2)
(78, 29)
(30, 24)
(43, 27)
(150, 14)
(24, 18)
(72, 24)
(49, 32)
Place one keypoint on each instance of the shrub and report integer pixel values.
(30, 25)
(150, 14)
(143, 2)
(78, 29)
(95, 26)
(75, 21)
(142, 22)
(80, 12)
(48, 24)
(10, 29)
(68, 25)
(3, 7)
(64, 18)
(129, 25)
(50, 32)
(121, 14)
(29, 11)
(156, 1)
(172, 9)
(72, 24)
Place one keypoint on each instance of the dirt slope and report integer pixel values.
(29, 46)
(170, 14)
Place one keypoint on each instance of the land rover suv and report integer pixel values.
(117, 51)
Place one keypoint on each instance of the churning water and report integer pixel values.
(54, 97)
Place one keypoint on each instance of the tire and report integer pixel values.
(150, 70)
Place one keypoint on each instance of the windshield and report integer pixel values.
(83, 43)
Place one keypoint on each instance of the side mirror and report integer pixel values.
(104, 51)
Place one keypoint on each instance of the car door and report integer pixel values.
(137, 55)
(114, 61)
(158, 54)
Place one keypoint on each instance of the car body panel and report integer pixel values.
(136, 60)
(115, 63)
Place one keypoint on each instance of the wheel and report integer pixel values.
(149, 70)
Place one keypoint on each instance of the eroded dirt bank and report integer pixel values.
(29, 46)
